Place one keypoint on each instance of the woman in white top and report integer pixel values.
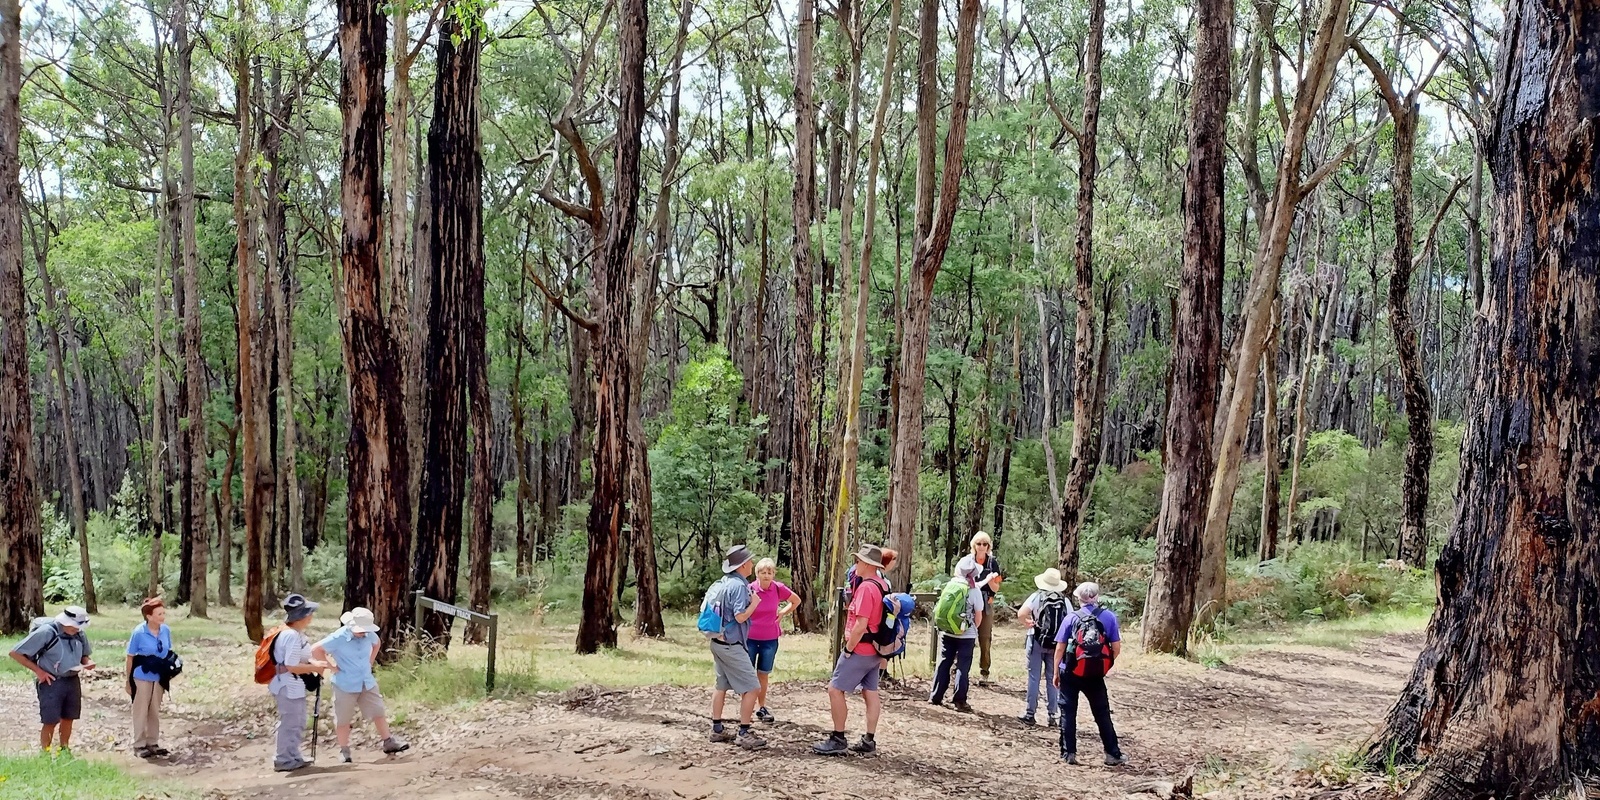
(1042, 614)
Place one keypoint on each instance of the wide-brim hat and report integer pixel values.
(1050, 581)
(737, 557)
(73, 617)
(870, 554)
(296, 607)
(359, 619)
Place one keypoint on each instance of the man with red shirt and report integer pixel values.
(859, 662)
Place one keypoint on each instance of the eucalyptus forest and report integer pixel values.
(1258, 313)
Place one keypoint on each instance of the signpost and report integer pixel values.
(441, 607)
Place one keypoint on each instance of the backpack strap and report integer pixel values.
(55, 639)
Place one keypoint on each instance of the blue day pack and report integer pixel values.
(890, 638)
(710, 620)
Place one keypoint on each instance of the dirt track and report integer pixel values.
(1245, 727)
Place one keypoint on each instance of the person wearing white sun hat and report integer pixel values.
(56, 651)
(1042, 614)
(353, 649)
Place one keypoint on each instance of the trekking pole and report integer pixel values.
(316, 716)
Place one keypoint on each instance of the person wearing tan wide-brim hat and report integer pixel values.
(859, 662)
(1042, 614)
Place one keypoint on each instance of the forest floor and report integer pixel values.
(1270, 718)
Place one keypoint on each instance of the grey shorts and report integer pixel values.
(733, 668)
(345, 704)
(855, 671)
(60, 700)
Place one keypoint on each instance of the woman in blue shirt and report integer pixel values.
(149, 641)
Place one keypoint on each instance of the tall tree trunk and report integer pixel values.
(805, 539)
(1197, 342)
(928, 256)
(519, 434)
(225, 516)
(614, 281)
(1413, 537)
(458, 75)
(378, 532)
(850, 449)
(257, 467)
(157, 485)
(1321, 63)
(21, 543)
(1013, 423)
(56, 316)
(404, 276)
(1088, 383)
(1497, 709)
(453, 351)
(1267, 548)
(193, 480)
(289, 478)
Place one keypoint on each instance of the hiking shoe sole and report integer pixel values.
(830, 748)
(1115, 761)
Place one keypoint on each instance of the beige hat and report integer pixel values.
(359, 619)
(1050, 581)
(870, 554)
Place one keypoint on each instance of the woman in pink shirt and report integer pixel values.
(777, 602)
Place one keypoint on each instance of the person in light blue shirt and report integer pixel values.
(148, 646)
(353, 649)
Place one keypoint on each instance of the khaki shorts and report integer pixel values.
(369, 701)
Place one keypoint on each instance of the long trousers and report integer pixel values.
(146, 714)
(1094, 690)
(955, 664)
(1039, 666)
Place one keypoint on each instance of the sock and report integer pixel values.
(744, 728)
(868, 737)
(837, 735)
(716, 726)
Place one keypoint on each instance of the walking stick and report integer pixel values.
(316, 716)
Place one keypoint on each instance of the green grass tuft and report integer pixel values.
(40, 777)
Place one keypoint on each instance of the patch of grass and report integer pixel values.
(457, 679)
(40, 777)
(1342, 633)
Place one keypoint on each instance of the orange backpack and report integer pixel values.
(266, 665)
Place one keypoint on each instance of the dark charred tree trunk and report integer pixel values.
(378, 532)
(614, 281)
(1414, 379)
(454, 345)
(21, 544)
(1197, 342)
(257, 470)
(805, 546)
(1497, 709)
(1088, 383)
(928, 256)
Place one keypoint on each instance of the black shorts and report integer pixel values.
(60, 700)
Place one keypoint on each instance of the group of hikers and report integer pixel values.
(57, 652)
(1068, 650)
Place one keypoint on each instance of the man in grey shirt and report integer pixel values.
(56, 651)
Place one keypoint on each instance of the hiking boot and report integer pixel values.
(1115, 761)
(159, 752)
(395, 744)
(64, 752)
(765, 716)
(865, 746)
(1027, 720)
(834, 745)
(144, 752)
(344, 756)
(721, 737)
(291, 767)
(750, 741)
(963, 708)
(936, 702)
(1053, 723)
(1071, 758)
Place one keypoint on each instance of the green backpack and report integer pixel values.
(950, 613)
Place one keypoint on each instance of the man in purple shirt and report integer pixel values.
(1087, 645)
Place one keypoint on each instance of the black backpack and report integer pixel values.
(1051, 611)
(1091, 653)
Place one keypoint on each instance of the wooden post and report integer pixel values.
(494, 635)
(416, 602)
